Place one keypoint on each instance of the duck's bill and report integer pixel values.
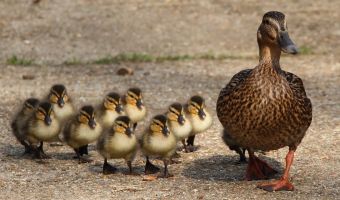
(129, 131)
(48, 120)
(201, 114)
(287, 44)
(139, 104)
(92, 123)
(165, 131)
(181, 120)
(61, 102)
(119, 108)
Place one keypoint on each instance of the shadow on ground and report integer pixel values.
(223, 168)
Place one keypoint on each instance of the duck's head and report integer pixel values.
(30, 104)
(123, 125)
(196, 106)
(175, 113)
(44, 112)
(159, 126)
(273, 32)
(58, 95)
(113, 102)
(134, 98)
(87, 116)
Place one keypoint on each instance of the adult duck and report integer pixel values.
(266, 108)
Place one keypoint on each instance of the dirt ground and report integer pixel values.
(54, 31)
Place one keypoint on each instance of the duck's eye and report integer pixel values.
(266, 21)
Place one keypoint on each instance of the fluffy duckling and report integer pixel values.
(109, 110)
(233, 145)
(62, 105)
(118, 142)
(134, 106)
(42, 126)
(158, 140)
(61, 101)
(199, 117)
(178, 124)
(82, 130)
(20, 120)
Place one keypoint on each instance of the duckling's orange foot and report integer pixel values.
(258, 169)
(109, 169)
(277, 186)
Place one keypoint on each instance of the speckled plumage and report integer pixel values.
(20, 119)
(265, 108)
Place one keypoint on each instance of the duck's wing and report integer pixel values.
(295, 83)
(298, 89)
(235, 81)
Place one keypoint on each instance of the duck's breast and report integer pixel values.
(259, 114)
(120, 145)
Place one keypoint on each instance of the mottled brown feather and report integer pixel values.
(265, 108)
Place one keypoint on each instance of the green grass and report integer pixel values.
(73, 61)
(141, 57)
(14, 60)
(304, 50)
(129, 57)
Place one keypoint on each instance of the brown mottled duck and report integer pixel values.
(266, 108)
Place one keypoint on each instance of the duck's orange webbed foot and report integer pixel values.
(258, 169)
(282, 184)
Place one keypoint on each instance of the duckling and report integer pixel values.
(232, 144)
(266, 108)
(118, 142)
(42, 126)
(178, 124)
(62, 106)
(134, 106)
(199, 117)
(109, 110)
(20, 120)
(158, 140)
(82, 130)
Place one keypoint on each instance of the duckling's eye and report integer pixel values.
(195, 106)
(266, 21)
(28, 107)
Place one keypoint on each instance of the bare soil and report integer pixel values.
(52, 32)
